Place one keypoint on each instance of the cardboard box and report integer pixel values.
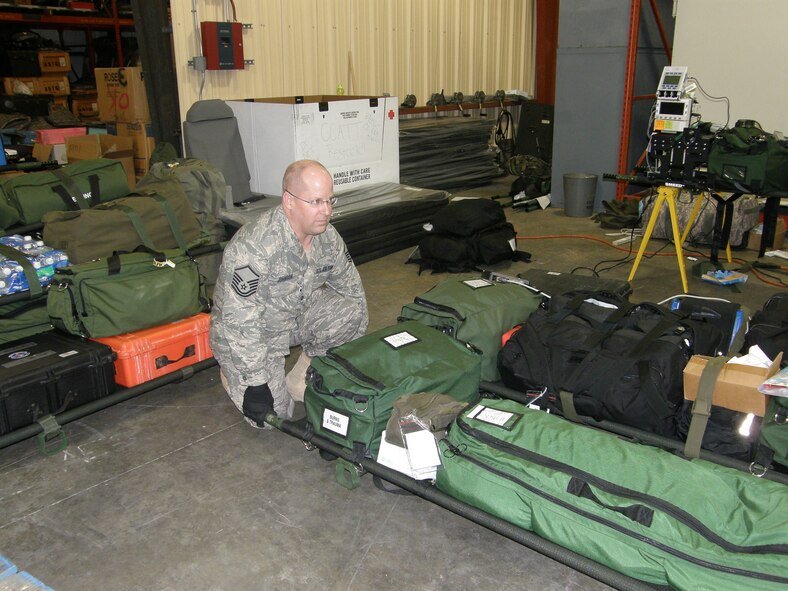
(355, 138)
(90, 147)
(52, 62)
(754, 238)
(47, 152)
(141, 133)
(54, 85)
(141, 167)
(736, 387)
(58, 135)
(121, 95)
(85, 107)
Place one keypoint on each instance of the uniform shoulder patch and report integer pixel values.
(245, 281)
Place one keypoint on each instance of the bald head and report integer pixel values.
(307, 188)
(304, 174)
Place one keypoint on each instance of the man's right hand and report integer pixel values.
(258, 402)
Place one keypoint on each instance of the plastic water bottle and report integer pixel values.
(45, 261)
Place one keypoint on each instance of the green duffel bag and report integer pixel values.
(125, 292)
(351, 390)
(158, 217)
(645, 512)
(79, 185)
(475, 311)
(773, 438)
(746, 159)
(23, 318)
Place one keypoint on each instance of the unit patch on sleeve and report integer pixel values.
(245, 281)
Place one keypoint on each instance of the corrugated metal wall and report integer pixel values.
(306, 47)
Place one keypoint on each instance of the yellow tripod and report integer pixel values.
(664, 194)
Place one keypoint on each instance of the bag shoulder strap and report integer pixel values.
(70, 193)
(34, 285)
(169, 212)
(701, 408)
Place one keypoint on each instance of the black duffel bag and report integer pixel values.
(596, 355)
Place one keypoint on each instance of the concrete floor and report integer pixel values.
(172, 490)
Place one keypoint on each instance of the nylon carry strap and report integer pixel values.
(34, 285)
(701, 408)
(69, 191)
(175, 226)
(568, 406)
(139, 225)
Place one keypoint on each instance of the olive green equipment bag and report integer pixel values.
(26, 313)
(747, 159)
(125, 292)
(773, 438)
(648, 513)
(158, 217)
(76, 186)
(476, 311)
(350, 391)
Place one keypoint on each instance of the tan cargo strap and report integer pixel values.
(701, 408)
(568, 406)
(34, 285)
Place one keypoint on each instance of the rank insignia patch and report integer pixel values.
(245, 281)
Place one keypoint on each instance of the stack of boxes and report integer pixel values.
(38, 72)
(123, 106)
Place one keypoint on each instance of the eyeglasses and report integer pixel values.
(331, 201)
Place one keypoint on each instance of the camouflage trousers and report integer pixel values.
(330, 320)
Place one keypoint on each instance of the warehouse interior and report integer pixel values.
(167, 486)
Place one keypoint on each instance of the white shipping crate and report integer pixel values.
(355, 138)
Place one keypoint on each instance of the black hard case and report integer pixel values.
(49, 373)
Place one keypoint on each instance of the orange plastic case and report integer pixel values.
(147, 354)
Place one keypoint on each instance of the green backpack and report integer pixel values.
(774, 430)
(746, 159)
(475, 311)
(351, 390)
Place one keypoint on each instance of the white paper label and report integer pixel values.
(479, 408)
(333, 421)
(476, 283)
(400, 339)
(494, 417)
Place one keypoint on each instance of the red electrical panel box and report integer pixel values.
(222, 45)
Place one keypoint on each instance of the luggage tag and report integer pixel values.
(492, 416)
(165, 263)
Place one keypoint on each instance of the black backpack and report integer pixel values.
(467, 233)
(596, 355)
(769, 327)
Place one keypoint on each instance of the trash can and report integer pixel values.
(579, 194)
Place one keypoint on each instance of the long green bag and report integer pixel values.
(650, 514)
(475, 311)
(774, 430)
(79, 185)
(125, 293)
(350, 391)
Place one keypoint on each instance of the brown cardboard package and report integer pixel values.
(121, 95)
(754, 239)
(736, 387)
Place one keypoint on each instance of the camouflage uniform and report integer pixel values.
(271, 295)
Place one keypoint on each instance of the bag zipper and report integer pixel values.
(352, 370)
(675, 512)
(439, 308)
